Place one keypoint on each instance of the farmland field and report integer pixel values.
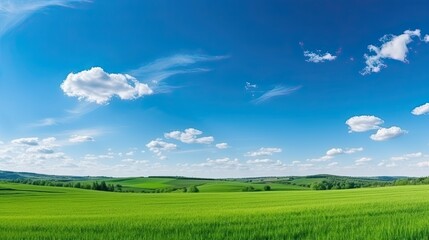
(39, 212)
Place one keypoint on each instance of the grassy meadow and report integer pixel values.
(41, 212)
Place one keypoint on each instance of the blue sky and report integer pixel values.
(214, 88)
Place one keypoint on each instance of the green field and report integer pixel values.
(148, 184)
(39, 212)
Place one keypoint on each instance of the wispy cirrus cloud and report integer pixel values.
(14, 12)
(163, 68)
(275, 92)
(82, 108)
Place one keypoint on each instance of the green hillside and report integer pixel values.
(183, 184)
(40, 212)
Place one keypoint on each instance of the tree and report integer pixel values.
(193, 189)
(267, 188)
(248, 189)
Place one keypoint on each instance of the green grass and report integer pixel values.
(36, 212)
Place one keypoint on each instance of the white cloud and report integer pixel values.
(337, 151)
(264, 152)
(249, 86)
(164, 68)
(407, 156)
(423, 164)
(331, 153)
(275, 92)
(40, 149)
(96, 85)
(222, 145)
(31, 154)
(109, 155)
(32, 141)
(189, 136)
(45, 122)
(80, 138)
(363, 123)
(159, 70)
(222, 163)
(426, 38)
(362, 161)
(421, 110)
(260, 161)
(334, 151)
(14, 12)
(383, 134)
(318, 57)
(158, 146)
(393, 47)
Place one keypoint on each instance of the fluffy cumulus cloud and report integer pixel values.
(190, 135)
(364, 123)
(264, 152)
(158, 146)
(384, 134)
(393, 47)
(80, 138)
(331, 153)
(31, 154)
(222, 145)
(421, 110)
(32, 141)
(338, 151)
(318, 57)
(426, 38)
(96, 85)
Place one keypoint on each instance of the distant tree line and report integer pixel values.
(102, 186)
(411, 181)
(191, 189)
(346, 183)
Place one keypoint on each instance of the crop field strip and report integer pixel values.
(39, 212)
